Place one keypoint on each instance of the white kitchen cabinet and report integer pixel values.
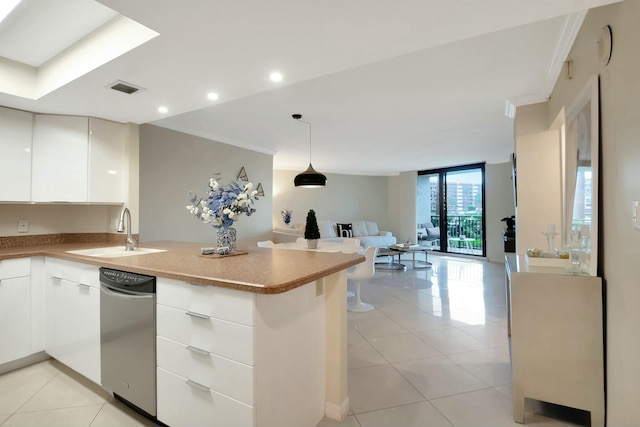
(108, 165)
(15, 155)
(15, 314)
(231, 358)
(79, 159)
(60, 153)
(73, 316)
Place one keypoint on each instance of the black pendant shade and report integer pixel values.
(310, 178)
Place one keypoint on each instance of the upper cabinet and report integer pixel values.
(108, 166)
(60, 153)
(78, 159)
(15, 155)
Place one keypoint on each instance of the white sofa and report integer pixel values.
(365, 231)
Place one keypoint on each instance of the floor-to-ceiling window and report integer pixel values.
(450, 209)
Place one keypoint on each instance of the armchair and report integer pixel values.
(428, 233)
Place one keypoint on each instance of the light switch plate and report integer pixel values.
(634, 215)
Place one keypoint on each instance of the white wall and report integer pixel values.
(620, 185)
(173, 163)
(345, 198)
(499, 204)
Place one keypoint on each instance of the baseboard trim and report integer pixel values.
(335, 412)
(25, 361)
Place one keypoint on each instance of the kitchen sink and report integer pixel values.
(115, 251)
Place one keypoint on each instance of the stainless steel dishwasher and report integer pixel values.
(128, 337)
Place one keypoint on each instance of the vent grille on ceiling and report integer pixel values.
(124, 87)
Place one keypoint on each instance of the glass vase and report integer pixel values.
(226, 237)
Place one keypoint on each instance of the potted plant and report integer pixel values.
(311, 231)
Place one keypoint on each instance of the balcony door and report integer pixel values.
(452, 201)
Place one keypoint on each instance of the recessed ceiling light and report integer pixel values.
(163, 110)
(212, 96)
(6, 6)
(276, 76)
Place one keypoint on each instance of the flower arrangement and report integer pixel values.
(286, 215)
(223, 204)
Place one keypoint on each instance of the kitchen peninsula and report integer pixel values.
(286, 311)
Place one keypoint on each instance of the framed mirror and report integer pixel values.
(582, 146)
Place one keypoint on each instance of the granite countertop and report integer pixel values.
(262, 270)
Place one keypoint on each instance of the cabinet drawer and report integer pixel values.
(73, 271)
(18, 267)
(187, 404)
(222, 375)
(226, 339)
(227, 304)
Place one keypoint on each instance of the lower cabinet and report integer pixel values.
(227, 358)
(557, 344)
(73, 317)
(15, 309)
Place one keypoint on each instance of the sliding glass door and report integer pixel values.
(450, 210)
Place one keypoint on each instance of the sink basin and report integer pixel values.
(115, 251)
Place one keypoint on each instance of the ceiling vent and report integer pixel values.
(125, 87)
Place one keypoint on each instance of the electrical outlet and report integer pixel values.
(319, 287)
(23, 226)
(634, 215)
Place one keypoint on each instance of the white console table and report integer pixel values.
(557, 349)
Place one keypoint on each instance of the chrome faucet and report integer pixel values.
(130, 242)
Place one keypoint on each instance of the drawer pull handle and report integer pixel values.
(56, 278)
(197, 350)
(196, 385)
(198, 315)
(82, 285)
(197, 284)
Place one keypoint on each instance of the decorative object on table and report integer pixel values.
(211, 253)
(222, 206)
(310, 178)
(537, 258)
(242, 175)
(311, 230)
(551, 237)
(286, 216)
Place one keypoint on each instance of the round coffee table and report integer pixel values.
(413, 250)
(391, 264)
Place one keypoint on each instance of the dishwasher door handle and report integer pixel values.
(116, 293)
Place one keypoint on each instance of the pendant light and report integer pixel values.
(309, 178)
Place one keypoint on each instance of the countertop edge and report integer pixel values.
(24, 252)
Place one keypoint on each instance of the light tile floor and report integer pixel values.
(434, 352)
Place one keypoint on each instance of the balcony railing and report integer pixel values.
(464, 233)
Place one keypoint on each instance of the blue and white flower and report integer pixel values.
(224, 203)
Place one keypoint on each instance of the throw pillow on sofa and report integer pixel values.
(326, 230)
(359, 229)
(433, 231)
(345, 230)
(372, 228)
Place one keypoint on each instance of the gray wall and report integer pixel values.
(345, 198)
(173, 163)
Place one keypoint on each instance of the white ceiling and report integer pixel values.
(388, 86)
